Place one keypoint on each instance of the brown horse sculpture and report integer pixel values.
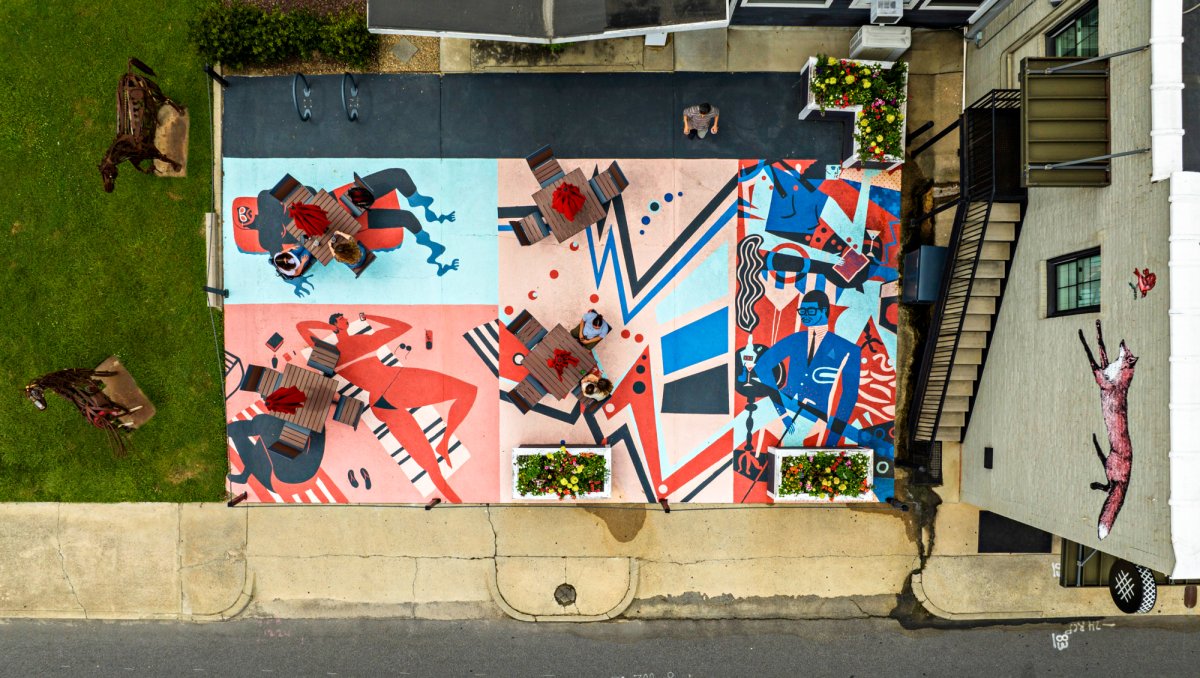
(138, 102)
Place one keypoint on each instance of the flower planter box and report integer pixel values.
(778, 454)
(541, 450)
(812, 107)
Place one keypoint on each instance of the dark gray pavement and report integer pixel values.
(1191, 91)
(627, 649)
(617, 115)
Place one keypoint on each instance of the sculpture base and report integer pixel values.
(171, 137)
(124, 390)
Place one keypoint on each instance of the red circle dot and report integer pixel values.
(553, 275)
(574, 246)
(533, 294)
(624, 334)
(638, 338)
(594, 298)
(508, 310)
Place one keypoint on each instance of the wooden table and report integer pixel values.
(563, 228)
(339, 220)
(318, 390)
(536, 362)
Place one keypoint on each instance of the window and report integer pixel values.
(1074, 283)
(1078, 36)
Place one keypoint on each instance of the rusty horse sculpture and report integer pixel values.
(83, 390)
(138, 102)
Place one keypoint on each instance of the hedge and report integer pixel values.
(237, 34)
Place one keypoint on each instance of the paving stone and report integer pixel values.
(404, 50)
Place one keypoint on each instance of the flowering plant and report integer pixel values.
(843, 82)
(561, 473)
(879, 130)
(824, 475)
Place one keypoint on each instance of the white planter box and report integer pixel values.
(605, 452)
(811, 107)
(778, 454)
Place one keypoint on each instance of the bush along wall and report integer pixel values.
(238, 34)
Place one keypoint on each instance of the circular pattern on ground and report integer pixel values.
(565, 595)
(655, 206)
(638, 338)
(639, 387)
(624, 334)
(667, 197)
(594, 298)
(508, 310)
(553, 274)
(533, 294)
(645, 221)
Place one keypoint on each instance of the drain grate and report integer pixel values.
(565, 594)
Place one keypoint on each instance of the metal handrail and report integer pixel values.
(966, 243)
(306, 113)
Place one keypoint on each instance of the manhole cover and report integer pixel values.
(565, 594)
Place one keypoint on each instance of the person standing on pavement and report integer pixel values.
(699, 120)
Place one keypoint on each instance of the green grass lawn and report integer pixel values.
(87, 274)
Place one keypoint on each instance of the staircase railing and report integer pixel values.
(979, 179)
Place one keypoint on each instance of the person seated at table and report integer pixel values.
(595, 386)
(292, 263)
(591, 329)
(346, 249)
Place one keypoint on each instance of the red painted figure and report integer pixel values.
(394, 390)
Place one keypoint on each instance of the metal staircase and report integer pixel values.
(986, 222)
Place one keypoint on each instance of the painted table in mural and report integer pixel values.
(339, 220)
(563, 228)
(318, 390)
(537, 362)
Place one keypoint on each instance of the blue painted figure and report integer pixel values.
(822, 369)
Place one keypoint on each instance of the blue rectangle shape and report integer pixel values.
(695, 342)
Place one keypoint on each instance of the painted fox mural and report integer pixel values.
(1113, 379)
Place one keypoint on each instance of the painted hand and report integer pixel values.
(446, 217)
(299, 282)
(444, 268)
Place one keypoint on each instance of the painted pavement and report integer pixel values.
(706, 270)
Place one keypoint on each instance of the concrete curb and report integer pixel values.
(612, 613)
(238, 607)
(918, 589)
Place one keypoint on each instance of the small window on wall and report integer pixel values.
(1078, 36)
(1074, 282)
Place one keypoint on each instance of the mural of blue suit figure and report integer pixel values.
(822, 370)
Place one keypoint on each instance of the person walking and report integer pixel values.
(700, 119)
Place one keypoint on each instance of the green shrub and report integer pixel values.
(345, 38)
(237, 34)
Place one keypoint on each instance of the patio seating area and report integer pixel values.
(463, 343)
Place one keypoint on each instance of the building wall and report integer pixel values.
(1038, 404)
(844, 13)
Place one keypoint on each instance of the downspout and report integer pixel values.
(1166, 146)
(1166, 88)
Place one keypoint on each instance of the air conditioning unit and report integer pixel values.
(881, 43)
(886, 11)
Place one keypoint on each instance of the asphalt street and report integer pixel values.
(660, 649)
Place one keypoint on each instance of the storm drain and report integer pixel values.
(565, 594)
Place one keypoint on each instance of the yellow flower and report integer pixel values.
(879, 138)
(849, 79)
(832, 61)
(574, 480)
(866, 71)
(562, 481)
(891, 118)
(867, 130)
(831, 80)
(866, 84)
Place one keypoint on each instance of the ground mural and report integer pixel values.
(753, 304)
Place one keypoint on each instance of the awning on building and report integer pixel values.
(542, 20)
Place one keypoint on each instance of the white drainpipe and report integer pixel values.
(1166, 147)
(1166, 88)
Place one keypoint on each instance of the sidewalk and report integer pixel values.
(209, 562)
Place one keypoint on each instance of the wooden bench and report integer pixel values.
(262, 380)
(324, 357)
(527, 329)
(292, 441)
(348, 411)
(527, 394)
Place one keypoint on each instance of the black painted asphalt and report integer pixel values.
(617, 115)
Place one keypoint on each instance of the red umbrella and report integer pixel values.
(310, 218)
(561, 361)
(286, 400)
(567, 200)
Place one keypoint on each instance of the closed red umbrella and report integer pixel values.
(309, 218)
(286, 400)
(567, 200)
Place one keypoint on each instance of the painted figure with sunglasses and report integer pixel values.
(822, 370)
